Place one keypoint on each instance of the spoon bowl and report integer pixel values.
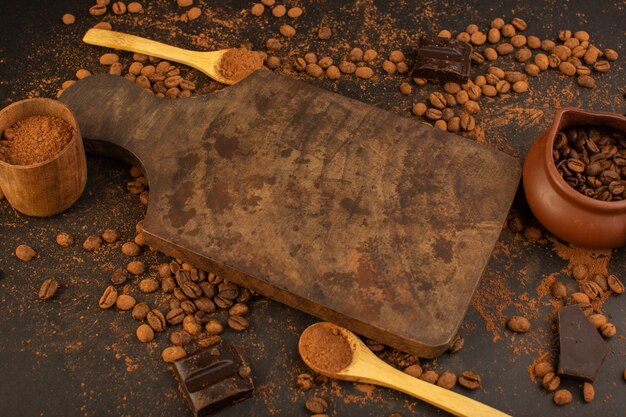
(366, 367)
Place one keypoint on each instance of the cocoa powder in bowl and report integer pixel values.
(35, 139)
(237, 64)
(325, 348)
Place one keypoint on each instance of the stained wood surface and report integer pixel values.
(348, 212)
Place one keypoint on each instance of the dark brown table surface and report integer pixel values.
(67, 357)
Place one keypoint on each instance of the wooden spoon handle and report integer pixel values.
(450, 401)
(132, 43)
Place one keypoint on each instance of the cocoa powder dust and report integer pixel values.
(237, 64)
(35, 139)
(325, 348)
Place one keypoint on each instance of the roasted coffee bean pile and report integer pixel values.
(593, 161)
(575, 55)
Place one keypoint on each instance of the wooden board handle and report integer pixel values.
(132, 43)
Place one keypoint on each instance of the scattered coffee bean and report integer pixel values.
(108, 298)
(64, 240)
(364, 72)
(144, 333)
(294, 12)
(148, 285)
(447, 380)
(136, 267)
(430, 377)
(518, 324)
(206, 341)
(173, 353)
(25, 253)
(532, 233)
(48, 289)
(580, 271)
(140, 311)
(257, 9)
(614, 283)
(413, 370)
(68, 19)
(191, 325)
(97, 10)
(608, 330)
(180, 338)
(316, 405)
(213, 326)
(589, 393)
(562, 397)
(305, 382)
(469, 380)
(156, 320)
(125, 302)
(324, 32)
(238, 323)
(92, 243)
(543, 368)
(550, 381)
(457, 344)
(558, 290)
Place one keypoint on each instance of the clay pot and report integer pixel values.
(49, 187)
(565, 212)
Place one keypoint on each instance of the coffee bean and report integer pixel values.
(469, 380)
(579, 271)
(567, 68)
(244, 295)
(519, 24)
(287, 31)
(294, 12)
(179, 294)
(92, 243)
(136, 267)
(454, 124)
(173, 353)
(437, 100)
(608, 330)
(180, 338)
(523, 55)
(551, 381)
(144, 333)
(207, 340)
(468, 123)
(316, 405)
(505, 48)
(433, 114)
(558, 290)
(447, 380)
(430, 377)
(602, 66)
(238, 323)
(48, 289)
(518, 324)
(489, 91)
(615, 284)
(611, 54)
(591, 289)
(97, 10)
(125, 302)
(543, 368)
(406, 89)
(414, 370)
(108, 298)
(156, 320)
(349, 67)
(324, 32)
(191, 290)
(589, 392)
(64, 240)
(175, 316)
(213, 326)
(140, 311)
(598, 320)
(471, 107)
(562, 397)
(191, 325)
(497, 23)
(204, 304)
(580, 298)
(518, 41)
(601, 280)
(188, 307)
(118, 7)
(364, 72)
(148, 285)
(168, 284)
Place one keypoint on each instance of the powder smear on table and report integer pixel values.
(237, 64)
(325, 348)
(35, 139)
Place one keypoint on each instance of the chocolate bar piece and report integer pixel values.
(214, 378)
(582, 349)
(445, 60)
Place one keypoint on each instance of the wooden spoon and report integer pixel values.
(207, 62)
(367, 368)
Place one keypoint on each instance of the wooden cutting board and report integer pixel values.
(348, 212)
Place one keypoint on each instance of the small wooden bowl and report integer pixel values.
(564, 211)
(49, 187)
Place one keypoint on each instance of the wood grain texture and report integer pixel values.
(332, 206)
(49, 187)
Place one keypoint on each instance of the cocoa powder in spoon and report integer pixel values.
(237, 64)
(325, 348)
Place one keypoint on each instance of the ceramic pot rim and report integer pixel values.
(71, 120)
(563, 187)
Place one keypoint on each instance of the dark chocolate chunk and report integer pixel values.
(212, 379)
(445, 60)
(582, 349)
